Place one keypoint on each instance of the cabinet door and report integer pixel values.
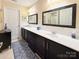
(40, 46)
(22, 33)
(7, 37)
(25, 35)
(57, 51)
(31, 40)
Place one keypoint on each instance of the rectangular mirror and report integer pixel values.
(49, 16)
(63, 16)
(33, 19)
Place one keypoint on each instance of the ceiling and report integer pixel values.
(26, 3)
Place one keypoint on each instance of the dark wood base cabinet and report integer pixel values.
(46, 48)
(40, 46)
(23, 33)
(31, 40)
(58, 51)
(36, 43)
(5, 37)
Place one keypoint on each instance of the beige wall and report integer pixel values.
(1, 20)
(23, 14)
(43, 5)
(0, 4)
(1, 15)
(7, 4)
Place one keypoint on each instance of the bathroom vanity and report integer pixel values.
(50, 45)
(5, 37)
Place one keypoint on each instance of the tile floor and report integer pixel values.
(22, 51)
(7, 54)
(19, 50)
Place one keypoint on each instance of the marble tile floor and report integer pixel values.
(22, 51)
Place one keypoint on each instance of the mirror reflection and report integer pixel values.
(66, 16)
(51, 17)
(33, 19)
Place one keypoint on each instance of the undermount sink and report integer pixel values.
(48, 33)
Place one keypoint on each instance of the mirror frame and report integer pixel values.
(36, 15)
(60, 8)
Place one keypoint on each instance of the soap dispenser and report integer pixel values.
(73, 35)
(5, 26)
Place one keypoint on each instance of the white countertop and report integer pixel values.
(59, 38)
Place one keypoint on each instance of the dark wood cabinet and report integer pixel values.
(5, 37)
(46, 48)
(31, 39)
(23, 33)
(40, 46)
(36, 43)
(58, 51)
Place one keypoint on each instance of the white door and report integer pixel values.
(11, 18)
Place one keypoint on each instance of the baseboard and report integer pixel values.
(37, 56)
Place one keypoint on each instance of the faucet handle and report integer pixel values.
(38, 28)
(73, 35)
